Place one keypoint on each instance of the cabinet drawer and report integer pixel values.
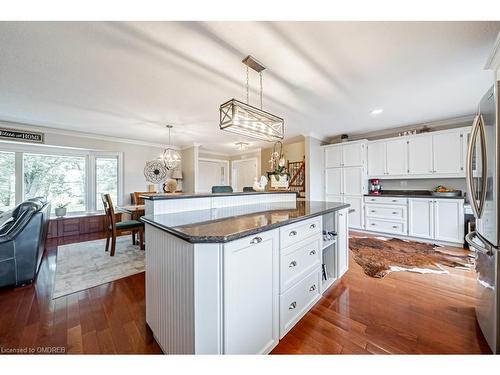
(386, 200)
(395, 227)
(291, 234)
(390, 212)
(298, 263)
(297, 301)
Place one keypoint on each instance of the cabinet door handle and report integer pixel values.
(292, 233)
(292, 264)
(312, 226)
(292, 305)
(373, 211)
(394, 200)
(312, 288)
(373, 224)
(395, 213)
(256, 240)
(312, 252)
(395, 226)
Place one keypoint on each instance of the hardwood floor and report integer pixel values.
(401, 313)
(106, 319)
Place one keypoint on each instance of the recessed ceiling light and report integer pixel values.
(377, 111)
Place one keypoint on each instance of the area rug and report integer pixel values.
(84, 265)
(378, 256)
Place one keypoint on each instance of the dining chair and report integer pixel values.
(136, 197)
(113, 228)
(247, 189)
(222, 189)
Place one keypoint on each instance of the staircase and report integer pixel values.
(297, 170)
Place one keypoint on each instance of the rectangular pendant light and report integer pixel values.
(244, 119)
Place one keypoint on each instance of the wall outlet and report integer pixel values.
(404, 183)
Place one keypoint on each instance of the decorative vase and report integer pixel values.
(279, 182)
(60, 211)
(170, 186)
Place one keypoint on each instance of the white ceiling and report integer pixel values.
(128, 79)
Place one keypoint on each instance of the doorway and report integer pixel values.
(212, 172)
(243, 173)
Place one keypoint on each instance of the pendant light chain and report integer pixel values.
(247, 84)
(261, 89)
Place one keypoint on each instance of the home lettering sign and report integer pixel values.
(22, 136)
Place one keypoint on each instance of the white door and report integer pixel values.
(342, 243)
(356, 217)
(333, 181)
(449, 220)
(212, 173)
(396, 157)
(421, 217)
(420, 154)
(243, 173)
(353, 179)
(448, 153)
(353, 154)
(333, 156)
(251, 294)
(376, 159)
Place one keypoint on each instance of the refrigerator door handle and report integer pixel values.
(485, 249)
(477, 126)
(484, 165)
(469, 175)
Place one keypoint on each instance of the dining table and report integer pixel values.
(134, 210)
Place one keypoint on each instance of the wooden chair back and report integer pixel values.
(109, 210)
(137, 200)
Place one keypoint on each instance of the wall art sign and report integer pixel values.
(21, 135)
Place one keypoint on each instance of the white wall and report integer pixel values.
(314, 169)
(189, 158)
(134, 155)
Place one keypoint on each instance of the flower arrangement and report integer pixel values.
(278, 164)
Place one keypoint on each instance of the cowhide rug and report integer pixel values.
(379, 256)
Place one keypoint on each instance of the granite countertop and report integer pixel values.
(411, 194)
(161, 196)
(230, 223)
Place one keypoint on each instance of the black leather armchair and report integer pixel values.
(22, 241)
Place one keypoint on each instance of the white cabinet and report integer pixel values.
(356, 217)
(420, 155)
(333, 156)
(342, 243)
(448, 153)
(251, 294)
(376, 159)
(388, 158)
(396, 157)
(421, 217)
(333, 181)
(449, 220)
(353, 154)
(353, 180)
(438, 219)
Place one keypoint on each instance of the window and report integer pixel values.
(61, 179)
(106, 177)
(7, 181)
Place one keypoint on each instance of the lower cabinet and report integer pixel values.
(356, 217)
(342, 243)
(421, 218)
(251, 294)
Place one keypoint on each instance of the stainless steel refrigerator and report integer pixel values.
(483, 163)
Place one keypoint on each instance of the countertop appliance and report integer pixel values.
(375, 187)
(483, 192)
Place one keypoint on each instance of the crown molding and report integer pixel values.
(74, 133)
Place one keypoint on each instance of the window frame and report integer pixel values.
(90, 169)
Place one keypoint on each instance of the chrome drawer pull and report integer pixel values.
(394, 213)
(312, 252)
(373, 211)
(292, 264)
(292, 233)
(312, 226)
(256, 240)
(373, 224)
(394, 200)
(312, 288)
(292, 305)
(395, 226)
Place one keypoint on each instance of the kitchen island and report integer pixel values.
(233, 274)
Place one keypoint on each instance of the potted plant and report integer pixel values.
(60, 210)
(279, 175)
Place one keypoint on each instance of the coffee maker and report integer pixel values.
(375, 187)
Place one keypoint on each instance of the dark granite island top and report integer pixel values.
(230, 223)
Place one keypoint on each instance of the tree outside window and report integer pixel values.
(7, 181)
(106, 174)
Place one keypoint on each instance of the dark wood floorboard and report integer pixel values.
(401, 313)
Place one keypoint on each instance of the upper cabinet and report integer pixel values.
(420, 154)
(350, 154)
(436, 154)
